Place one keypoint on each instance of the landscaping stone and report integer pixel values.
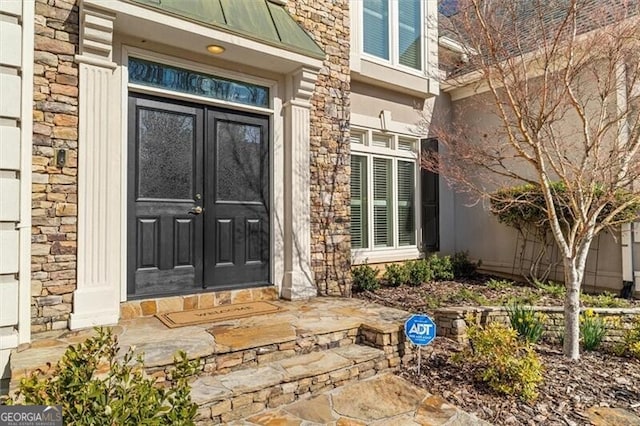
(382, 400)
(399, 398)
(606, 416)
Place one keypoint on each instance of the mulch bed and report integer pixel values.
(568, 390)
(462, 292)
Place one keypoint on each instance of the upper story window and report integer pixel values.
(392, 31)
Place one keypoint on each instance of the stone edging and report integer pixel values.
(451, 321)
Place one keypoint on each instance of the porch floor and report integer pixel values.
(296, 320)
(324, 361)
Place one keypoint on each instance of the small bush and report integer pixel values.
(466, 295)
(603, 300)
(419, 272)
(93, 387)
(441, 267)
(396, 275)
(495, 284)
(462, 266)
(630, 344)
(526, 322)
(502, 361)
(431, 301)
(365, 278)
(551, 288)
(529, 299)
(592, 330)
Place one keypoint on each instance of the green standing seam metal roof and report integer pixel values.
(260, 20)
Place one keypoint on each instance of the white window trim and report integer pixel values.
(394, 40)
(383, 254)
(378, 72)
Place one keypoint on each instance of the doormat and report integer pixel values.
(216, 314)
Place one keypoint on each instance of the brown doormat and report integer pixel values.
(216, 314)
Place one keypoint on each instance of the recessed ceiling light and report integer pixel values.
(215, 49)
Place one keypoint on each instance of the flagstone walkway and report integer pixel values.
(380, 400)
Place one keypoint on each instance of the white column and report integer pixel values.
(97, 297)
(298, 282)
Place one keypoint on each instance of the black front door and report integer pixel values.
(198, 198)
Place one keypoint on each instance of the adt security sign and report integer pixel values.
(420, 330)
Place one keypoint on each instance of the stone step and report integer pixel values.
(238, 394)
(382, 400)
(298, 328)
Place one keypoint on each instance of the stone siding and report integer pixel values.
(55, 127)
(328, 23)
(451, 321)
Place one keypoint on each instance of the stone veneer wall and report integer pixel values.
(328, 23)
(450, 322)
(54, 209)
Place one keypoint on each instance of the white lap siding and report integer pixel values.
(14, 209)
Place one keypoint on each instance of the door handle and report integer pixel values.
(196, 210)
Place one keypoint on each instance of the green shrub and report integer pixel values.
(603, 300)
(419, 272)
(467, 295)
(551, 288)
(529, 299)
(94, 388)
(441, 267)
(592, 330)
(365, 278)
(526, 322)
(396, 275)
(630, 344)
(462, 266)
(431, 301)
(501, 360)
(495, 284)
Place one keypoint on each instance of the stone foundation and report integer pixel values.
(451, 321)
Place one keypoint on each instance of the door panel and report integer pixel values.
(184, 157)
(165, 146)
(237, 200)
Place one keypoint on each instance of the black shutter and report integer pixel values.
(430, 202)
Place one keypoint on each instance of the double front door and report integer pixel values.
(198, 191)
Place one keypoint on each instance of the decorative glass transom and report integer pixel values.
(181, 80)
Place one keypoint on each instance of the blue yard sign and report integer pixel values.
(420, 330)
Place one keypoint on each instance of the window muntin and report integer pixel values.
(383, 191)
(392, 31)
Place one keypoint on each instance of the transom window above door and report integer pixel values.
(393, 31)
(148, 73)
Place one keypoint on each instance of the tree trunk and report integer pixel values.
(573, 280)
(573, 275)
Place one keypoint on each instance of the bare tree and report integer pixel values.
(563, 80)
